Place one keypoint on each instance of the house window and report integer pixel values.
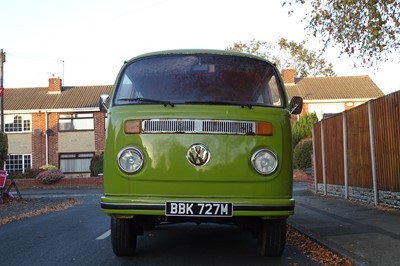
(17, 123)
(18, 162)
(73, 122)
(75, 162)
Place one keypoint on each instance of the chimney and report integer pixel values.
(54, 85)
(288, 76)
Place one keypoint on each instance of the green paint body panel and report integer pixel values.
(166, 174)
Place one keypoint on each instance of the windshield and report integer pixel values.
(197, 79)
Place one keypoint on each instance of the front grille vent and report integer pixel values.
(198, 126)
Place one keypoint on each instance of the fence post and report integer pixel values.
(314, 164)
(346, 172)
(323, 158)
(373, 159)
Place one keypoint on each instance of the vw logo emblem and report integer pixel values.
(198, 155)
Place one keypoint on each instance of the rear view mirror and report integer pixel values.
(296, 105)
(104, 102)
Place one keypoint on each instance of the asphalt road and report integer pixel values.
(80, 236)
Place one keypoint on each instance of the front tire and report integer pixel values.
(123, 236)
(272, 237)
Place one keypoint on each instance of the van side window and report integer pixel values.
(274, 92)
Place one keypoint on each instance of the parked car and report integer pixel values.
(198, 136)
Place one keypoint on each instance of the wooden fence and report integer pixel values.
(360, 148)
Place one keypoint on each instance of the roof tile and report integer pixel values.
(330, 88)
(39, 98)
(315, 88)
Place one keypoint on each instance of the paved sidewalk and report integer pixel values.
(61, 192)
(365, 235)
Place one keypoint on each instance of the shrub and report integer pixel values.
(302, 128)
(302, 154)
(16, 175)
(48, 167)
(28, 174)
(96, 165)
(31, 173)
(3, 148)
(50, 176)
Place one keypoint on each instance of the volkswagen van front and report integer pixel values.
(198, 136)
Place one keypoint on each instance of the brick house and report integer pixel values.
(54, 125)
(63, 126)
(329, 95)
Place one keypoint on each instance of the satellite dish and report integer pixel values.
(37, 132)
(49, 132)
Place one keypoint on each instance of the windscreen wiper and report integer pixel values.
(243, 105)
(146, 100)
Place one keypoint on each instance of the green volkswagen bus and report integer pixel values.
(198, 136)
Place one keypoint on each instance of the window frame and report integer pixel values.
(75, 117)
(23, 163)
(76, 157)
(24, 119)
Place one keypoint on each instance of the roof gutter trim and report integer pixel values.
(66, 110)
(339, 100)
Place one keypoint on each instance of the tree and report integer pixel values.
(302, 154)
(366, 29)
(3, 149)
(305, 62)
(302, 142)
(288, 54)
(256, 47)
(302, 128)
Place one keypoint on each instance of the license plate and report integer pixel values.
(200, 209)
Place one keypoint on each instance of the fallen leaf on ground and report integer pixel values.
(69, 203)
(313, 250)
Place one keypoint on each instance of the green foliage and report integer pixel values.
(50, 176)
(3, 149)
(96, 165)
(255, 47)
(305, 62)
(48, 167)
(28, 174)
(288, 54)
(302, 128)
(302, 154)
(365, 29)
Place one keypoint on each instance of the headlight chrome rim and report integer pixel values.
(130, 160)
(258, 165)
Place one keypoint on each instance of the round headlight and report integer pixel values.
(264, 161)
(130, 160)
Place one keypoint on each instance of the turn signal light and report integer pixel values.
(132, 127)
(264, 128)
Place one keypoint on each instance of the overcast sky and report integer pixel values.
(85, 42)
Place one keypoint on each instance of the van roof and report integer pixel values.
(197, 51)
